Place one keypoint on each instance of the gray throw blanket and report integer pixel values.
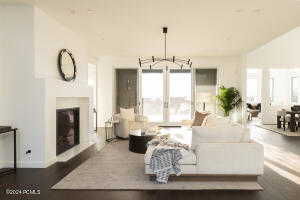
(163, 161)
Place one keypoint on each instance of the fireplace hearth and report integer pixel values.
(67, 129)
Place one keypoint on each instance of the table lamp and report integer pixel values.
(204, 97)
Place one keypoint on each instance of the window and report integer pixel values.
(252, 92)
(206, 89)
(271, 89)
(254, 79)
(166, 95)
(281, 91)
(153, 94)
(180, 95)
(295, 82)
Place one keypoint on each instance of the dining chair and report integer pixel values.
(284, 118)
(296, 108)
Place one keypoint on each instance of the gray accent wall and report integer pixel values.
(206, 77)
(127, 90)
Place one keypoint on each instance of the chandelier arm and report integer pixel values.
(182, 60)
(147, 60)
(181, 65)
(159, 59)
(169, 59)
(156, 60)
(157, 63)
(178, 64)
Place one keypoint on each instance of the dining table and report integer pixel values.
(293, 125)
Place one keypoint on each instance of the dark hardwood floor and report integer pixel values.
(281, 179)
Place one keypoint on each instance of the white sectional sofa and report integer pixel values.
(219, 150)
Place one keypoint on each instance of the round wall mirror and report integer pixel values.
(66, 65)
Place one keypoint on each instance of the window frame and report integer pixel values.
(292, 89)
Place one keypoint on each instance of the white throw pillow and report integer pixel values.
(127, 113)
(213, 120)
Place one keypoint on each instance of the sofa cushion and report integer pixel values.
(199, 118)
(127, 114)
(188, 157)
(220, 134)
(216, 120)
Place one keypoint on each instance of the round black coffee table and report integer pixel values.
(138, 142)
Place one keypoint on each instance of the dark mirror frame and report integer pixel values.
(60, 65)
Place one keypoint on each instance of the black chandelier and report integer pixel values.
(153, 61)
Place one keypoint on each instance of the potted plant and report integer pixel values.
(228, 99)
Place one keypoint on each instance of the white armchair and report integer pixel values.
(124, 126)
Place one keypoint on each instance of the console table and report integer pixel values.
(8, 130)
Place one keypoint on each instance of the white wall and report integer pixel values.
(22, 96)
(106, 89)
(2, 69)
(4, 140)
(229, 71)
(30, 42)
(280, 53)
(49, 38)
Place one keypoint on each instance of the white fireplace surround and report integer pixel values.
(61, 94)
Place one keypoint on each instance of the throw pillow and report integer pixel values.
(127, 114)
(199, 118)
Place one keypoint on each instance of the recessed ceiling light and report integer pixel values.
(91, 11)
(257, 10)
(72, 11)
(239, 10)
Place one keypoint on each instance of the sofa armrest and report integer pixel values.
(122, 128)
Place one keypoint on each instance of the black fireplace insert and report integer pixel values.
(67, 129)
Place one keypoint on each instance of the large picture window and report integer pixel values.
(153, 95)
(280, 86)
(180, 94)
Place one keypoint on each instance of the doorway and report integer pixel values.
(92, 81)
(254, 95)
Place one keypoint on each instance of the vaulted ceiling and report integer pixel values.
(196, 27)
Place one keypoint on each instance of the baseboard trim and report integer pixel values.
(50, 162)
(22, 164)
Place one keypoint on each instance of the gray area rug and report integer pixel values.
(116, 168)
(273, 128)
